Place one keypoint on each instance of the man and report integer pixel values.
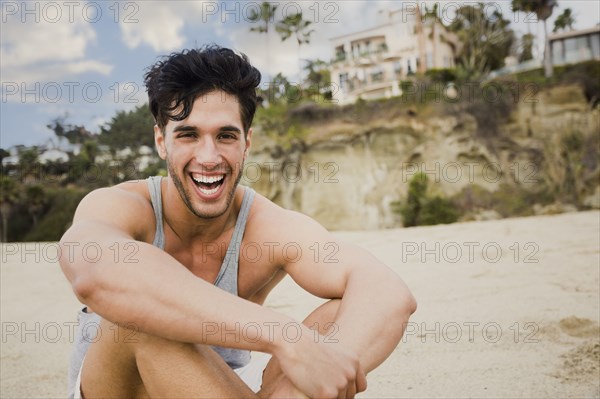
(175, 308)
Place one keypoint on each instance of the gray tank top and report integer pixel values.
(227, 280)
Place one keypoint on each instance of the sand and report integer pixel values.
(507, 309)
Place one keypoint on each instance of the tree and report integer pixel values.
(35, 199)
(564, 21)
(3, 154)
(28, 162)
(129, 129)
(318, 78)
(265, 17)
(526, 52)
(543, 9)
(10, 194)
(317, 73)
(73, 133)
(297, 26)
(486, 40)
(280, 89)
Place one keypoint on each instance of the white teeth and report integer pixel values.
(207, 179)
(208, 192)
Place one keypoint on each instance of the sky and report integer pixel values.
(85, 60)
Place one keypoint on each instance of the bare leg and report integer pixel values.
(130, 364)
(319, 319)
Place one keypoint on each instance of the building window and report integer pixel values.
(343, 80)
(398, 68)
(376, 75)
(558, 52)
(570, 49)
(429, 60)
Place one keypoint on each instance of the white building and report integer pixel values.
(53, 155)
(575, 46)
(371, 63)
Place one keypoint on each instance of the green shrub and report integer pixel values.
(421, 210)
(438, 210)
(59, 217)
(441, 75)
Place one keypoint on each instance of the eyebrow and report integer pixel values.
(230, 128)
(189, 128)
(183, 128)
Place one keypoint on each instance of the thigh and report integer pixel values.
(109, 368)
(125, 363)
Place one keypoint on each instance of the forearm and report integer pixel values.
(154, 293)
(373, 314)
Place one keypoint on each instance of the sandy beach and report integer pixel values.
(507, 309)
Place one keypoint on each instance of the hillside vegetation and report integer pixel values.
(511, 147)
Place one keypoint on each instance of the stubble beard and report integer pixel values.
(186, 196)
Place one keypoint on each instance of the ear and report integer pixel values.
(248, 142)
(159, 141)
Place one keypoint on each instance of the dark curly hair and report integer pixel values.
(174, 82)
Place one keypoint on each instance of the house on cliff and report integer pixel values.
(371, 63)
(575, 46)
(568, 47)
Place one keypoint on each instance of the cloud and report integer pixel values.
(160, 24)
(45, 50)
(30, 75)
(156, 24)
(329, 19)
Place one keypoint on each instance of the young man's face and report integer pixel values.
(205, 153)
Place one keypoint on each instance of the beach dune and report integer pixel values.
(507, 308)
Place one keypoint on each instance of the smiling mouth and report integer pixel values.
(208, 185)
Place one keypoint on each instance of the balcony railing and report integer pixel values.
(371, 55)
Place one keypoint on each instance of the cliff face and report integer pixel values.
(346, 173)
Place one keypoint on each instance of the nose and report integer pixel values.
(207, 153)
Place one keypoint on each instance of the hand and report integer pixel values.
(321, 370)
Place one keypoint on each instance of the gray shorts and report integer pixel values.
(251, 373)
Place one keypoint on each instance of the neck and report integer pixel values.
(190, 227)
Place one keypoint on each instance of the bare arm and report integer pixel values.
(128, 281)
(375, 302)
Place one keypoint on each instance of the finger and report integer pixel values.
(361, 380)
(351, 390)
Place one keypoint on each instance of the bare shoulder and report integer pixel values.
(122, 206)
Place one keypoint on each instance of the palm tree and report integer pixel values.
(526, 53)
(543, 9)
(265, 18)
(295, 25)
(9, 196)
(485, 40)
(317, 76)
(564, 21)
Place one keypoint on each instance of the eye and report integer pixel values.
(187, 135)
(227, 136)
